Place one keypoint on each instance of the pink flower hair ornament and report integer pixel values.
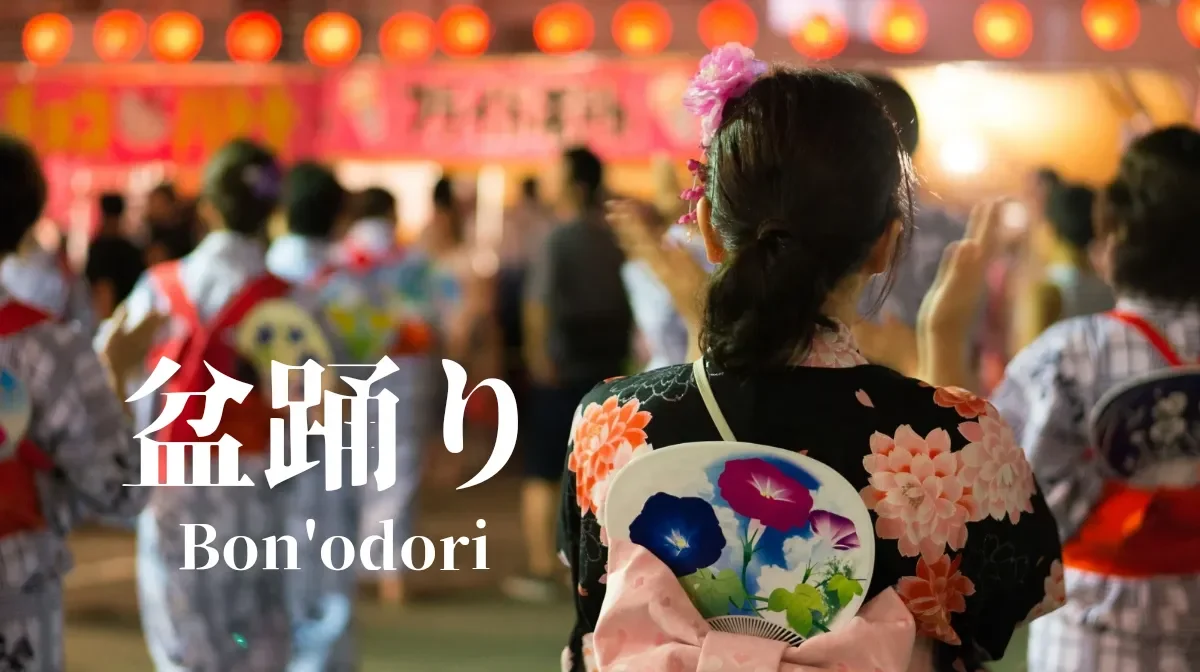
(725, 74)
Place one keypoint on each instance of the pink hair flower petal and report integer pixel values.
(726, 73)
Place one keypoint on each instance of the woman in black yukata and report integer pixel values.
(804, 196)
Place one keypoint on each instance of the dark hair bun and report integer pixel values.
(243, 182)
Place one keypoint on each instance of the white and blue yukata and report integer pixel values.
(1109, 624)
(407, 279)
(321, 599)
(80, 423)
(219, 619)
(662, 328)
(38, 279)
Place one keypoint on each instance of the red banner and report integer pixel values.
(516, 109)
(520, 109)
(93, 116)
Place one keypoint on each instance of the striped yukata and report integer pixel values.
(321, 600)
(39, 279)
(80, 424)
(1109, 624)
(219, 619)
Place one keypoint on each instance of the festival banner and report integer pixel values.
(516, 109)
(93, 117)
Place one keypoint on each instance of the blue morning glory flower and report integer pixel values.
(683, 532)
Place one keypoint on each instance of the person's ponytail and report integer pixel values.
(766, 301)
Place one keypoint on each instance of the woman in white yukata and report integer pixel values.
(370, 269)
(322, 599)
(1132, 605)
(221, 619)
(65, 441)
(38, 277)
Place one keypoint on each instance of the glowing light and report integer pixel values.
(899, 26)
(963, 155)
(642, 28)
(407, 36)
(332, 39)
(723, 21)
(118, 35)
(820, 37)
(1003, 28)
(464, 31)
(253, 37)
(1189, 21)
(176, 37)
(47, 39)
(564, 28)
(1112, 25)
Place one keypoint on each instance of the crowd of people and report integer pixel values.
(805, 293)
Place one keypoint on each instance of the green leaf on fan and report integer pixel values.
(714, 594)
(800, 618)
(845, 587)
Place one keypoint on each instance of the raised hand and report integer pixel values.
(949, 309)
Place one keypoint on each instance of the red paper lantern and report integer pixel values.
(253, 37)
(564, 28)
(407, 36)
(464, 31)
(642, 28)
(1189, 21)
(899, 26)
(118, 35)
(176, 37)
(724, 21)
(1113, 25)
(332, 39)
(820, 37)
(47, 38)
(1003, 28)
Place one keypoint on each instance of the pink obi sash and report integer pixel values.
(648, 624)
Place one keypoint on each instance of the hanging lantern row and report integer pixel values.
(1003, 29)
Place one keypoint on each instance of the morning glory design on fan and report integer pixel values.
(765, 542)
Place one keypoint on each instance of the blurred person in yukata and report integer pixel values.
(66, 447)
(1125, 498)
(168, 227)
(889, 336)
(382, 300)
(315, 205)
(44, 279)
(225, 306)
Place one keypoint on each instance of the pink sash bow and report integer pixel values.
(648, 624)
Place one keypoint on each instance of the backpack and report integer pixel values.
(1146, 434)
(683, 524)
(257, 325)
(20, 460)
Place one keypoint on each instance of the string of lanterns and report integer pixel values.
(1003, 29)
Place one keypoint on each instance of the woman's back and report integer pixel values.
(950, 489)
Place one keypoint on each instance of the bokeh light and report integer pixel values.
(253, 37)
(47, 38)
(564, 28)
(464, 31)
(407, 37)
(899, 26)
(819, 37)
(332, 39)
(176, 37)
(723, 21)
(119, 35)
(1003, 28)
(1112, 25)
(642, 28)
